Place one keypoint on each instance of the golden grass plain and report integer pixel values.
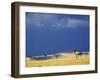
(67, 59)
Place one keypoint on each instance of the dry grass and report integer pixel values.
(67, 59)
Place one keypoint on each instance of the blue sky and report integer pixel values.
(53, 33)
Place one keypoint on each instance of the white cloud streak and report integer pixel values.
(73, 23)
(40, 20)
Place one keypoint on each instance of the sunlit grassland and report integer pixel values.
(68, 59)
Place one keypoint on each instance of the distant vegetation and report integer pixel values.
(74, 50)
(57, 55)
